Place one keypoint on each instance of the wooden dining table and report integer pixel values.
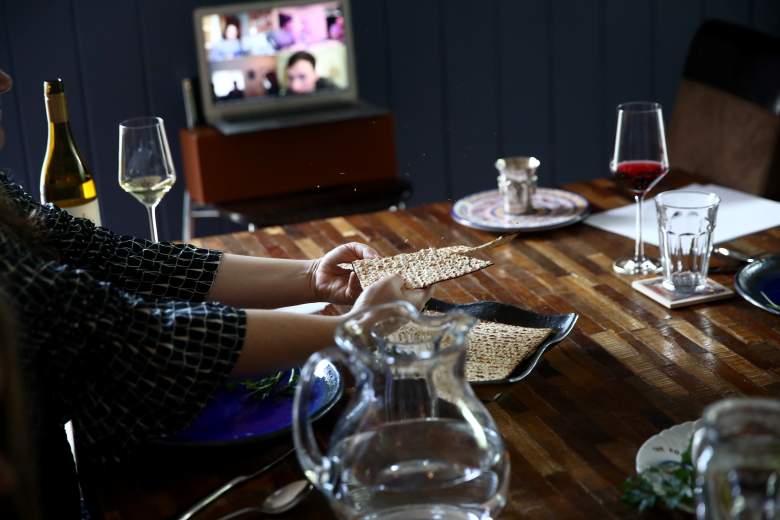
(629, 369)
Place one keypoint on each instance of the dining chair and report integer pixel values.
(725, 126)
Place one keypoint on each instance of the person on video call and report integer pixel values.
(236, 93)
(336, 28)
(229, 46)
(285, 35)
(302, 77)
(257, 43)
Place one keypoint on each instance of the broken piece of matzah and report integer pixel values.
(421, 268)
(494, 349)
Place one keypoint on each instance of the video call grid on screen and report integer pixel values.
(275, 52)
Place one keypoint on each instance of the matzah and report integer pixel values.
(421, 268)
(494, 349)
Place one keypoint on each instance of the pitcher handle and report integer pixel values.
(315, 466)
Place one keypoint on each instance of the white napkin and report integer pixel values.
(739, 214)
(305, 308)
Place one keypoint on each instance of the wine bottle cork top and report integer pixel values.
(53, 86)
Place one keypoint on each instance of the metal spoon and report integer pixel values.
(280, 501)
(203, 503)
(736, 255)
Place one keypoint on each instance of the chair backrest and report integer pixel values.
(726, 121)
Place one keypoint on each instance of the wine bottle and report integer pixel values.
(65, 180)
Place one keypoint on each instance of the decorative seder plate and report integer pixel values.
(561, 324)
(664, 446)
(661, 456)
(554, 208)
(759, 283)
(233, 416)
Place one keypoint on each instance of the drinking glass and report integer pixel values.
(686, 221)
(737, 459)
(639, 162)
(145, 164)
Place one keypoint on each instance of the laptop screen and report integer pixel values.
(257, 53)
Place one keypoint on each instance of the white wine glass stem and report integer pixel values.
(152, 222)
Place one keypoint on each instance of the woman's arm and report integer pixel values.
(127, 368)
(129, 263)
(262, 283)
(185, 272)
(276, 340)
(254, 282)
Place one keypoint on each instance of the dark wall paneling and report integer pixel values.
(114, 82)
(524, 79)
(515, 77)
(629, 63)
(736, 11)
(417, 90)
(676, 23)
(471, 102)
(168, 53)
(13, 156)
(577, 90)
(371, 51)
(765, 16)
(33, 62)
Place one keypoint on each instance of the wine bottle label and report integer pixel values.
(90, 211)
(56, 108)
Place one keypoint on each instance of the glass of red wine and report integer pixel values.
(640, 161)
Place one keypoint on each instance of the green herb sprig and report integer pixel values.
(669, 484)
(265, 387)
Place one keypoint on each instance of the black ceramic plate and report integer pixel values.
(761, 276)
(562, 325)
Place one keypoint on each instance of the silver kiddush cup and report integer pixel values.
(517, 183)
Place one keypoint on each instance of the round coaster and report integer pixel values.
(553, 208)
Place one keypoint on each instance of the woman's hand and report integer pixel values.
(334, 284)
(389, 289)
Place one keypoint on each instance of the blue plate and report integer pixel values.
(761, 276)
(233, 416)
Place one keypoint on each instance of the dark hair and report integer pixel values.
(25, 228)
(231, 20)
(16, 224)
(15, 445)
(284, 19)
(301, 55)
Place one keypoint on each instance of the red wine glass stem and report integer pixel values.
(639, 245)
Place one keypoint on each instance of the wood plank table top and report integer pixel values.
(629, 369)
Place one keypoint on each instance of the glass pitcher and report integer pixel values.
(737, 458)
(414, 442)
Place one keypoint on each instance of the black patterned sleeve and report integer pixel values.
(136, 265)
(125, 368)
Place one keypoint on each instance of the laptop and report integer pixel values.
(277, 64)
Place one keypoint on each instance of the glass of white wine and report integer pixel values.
(145, 165)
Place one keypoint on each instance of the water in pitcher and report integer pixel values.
(420, 469)
(743, 481)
